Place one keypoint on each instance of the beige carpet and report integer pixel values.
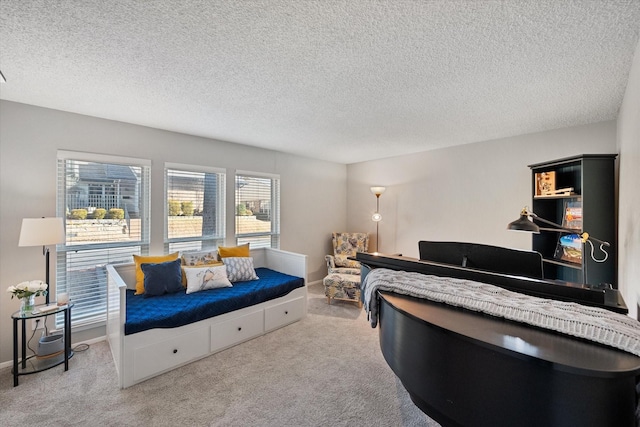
(326, 370)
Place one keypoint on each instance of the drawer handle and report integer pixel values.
(286, 312)
(239, 328)
(175, 350)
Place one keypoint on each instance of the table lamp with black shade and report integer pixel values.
(42, 232)
(526, 223)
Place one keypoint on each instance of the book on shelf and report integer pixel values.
(569, 248)
(572, 217)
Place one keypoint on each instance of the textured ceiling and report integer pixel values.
(345, 81)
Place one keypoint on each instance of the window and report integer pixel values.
(194, 200)
(257, 210)
(105, 200)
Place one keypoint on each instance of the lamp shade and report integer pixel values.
(41, 231)
(523, 224)
(377, 190)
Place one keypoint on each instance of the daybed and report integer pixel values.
(143, 348)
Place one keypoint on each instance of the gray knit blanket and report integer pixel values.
(591, 323)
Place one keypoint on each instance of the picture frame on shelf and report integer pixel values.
(569, 248)
(545, 183)
(572, 215)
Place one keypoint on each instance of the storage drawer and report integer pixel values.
(233, 331)
(170, 353)
(283, 313)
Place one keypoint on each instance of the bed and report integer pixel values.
(150, 336)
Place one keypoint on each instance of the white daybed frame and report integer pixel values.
(146, 354)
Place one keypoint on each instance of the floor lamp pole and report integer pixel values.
(45, 251)
(376, 217)
(377, 223)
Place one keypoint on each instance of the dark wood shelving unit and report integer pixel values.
(592, 179)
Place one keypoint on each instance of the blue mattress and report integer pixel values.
(179, 309)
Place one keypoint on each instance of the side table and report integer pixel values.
(36, 364)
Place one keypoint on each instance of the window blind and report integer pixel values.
(257, 210)
(105, 203)
(194, 201)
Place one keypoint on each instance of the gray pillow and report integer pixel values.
(240, 269)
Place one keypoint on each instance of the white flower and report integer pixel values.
(28, 288)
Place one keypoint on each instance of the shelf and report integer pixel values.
(592, 180)
(35, 364)
(563, 264)
(36, 314)
(555, 197)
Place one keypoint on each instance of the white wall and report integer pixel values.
(467, 193)
(629, 192)
(313, 192)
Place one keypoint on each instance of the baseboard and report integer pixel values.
(9, 363)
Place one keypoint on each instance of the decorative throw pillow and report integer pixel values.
(162, 278)
(139, 260)
(234, 251)
(342, 261)
(198, 259)
(240, 269)
(207, 277)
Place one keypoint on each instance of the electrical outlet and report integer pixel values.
(37, 324)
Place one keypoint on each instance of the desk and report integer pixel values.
(36, 364)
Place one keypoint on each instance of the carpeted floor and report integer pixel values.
(326, 370)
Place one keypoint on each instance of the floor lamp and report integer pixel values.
(376, 217)
(42, 232)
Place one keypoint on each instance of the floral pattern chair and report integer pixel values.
(343, 280)
(346, 245)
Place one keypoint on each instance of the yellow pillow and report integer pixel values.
(234, 251)
(149, 260)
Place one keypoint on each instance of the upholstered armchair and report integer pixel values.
(346, 245)
(343, 280)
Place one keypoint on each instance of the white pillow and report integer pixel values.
(240, 269)
(208, 277)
